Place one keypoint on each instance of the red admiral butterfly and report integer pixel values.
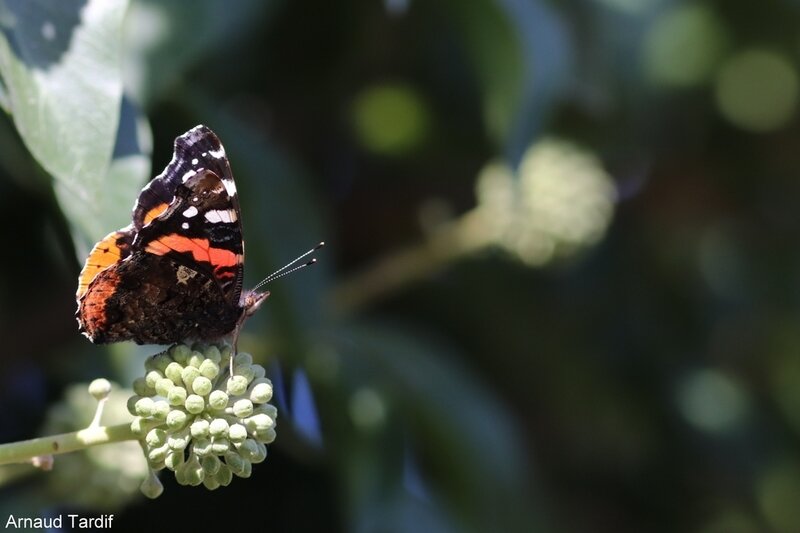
(176, 272)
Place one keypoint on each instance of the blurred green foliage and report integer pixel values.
(561, 287)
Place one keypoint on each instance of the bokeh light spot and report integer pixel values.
(757, 90)
(390, 119)
(778, 492)
(711, 401)
(367, 409)
(732, 521)
(784, 373)
(683, 46)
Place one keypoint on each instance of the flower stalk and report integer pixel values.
(25, 451)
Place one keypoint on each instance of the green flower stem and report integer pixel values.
(451, 240)
(24, 451)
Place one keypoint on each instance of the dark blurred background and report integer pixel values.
(561, 286)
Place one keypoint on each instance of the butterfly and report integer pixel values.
(176, 272)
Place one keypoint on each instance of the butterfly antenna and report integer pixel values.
(283, 272)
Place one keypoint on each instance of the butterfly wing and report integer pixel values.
(177, 271)
(198, 148)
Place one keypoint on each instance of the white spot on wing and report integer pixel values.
(218, 154)
(189, 213)
(188, 175)
(185, 225)
(195, 161)
(230, 186)
(221, 215)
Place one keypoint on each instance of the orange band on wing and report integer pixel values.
(200, 249)
(104, 254)
(154, 212)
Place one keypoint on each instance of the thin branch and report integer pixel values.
(25, 451)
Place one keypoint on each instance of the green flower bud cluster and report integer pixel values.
(558, 202)
(197, 420)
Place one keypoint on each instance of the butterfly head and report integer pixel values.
(251, 301)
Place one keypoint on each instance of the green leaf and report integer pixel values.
(523, 60)
(61, 66)
(456, 424)
(165, 39)
(4, 103)
(128, 170)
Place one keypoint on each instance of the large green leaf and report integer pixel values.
(522, 58)
(456, 425)
(165, 39)
(61, 68)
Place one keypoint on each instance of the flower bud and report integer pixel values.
(176, 419)
(220, 446)
(163, 386)
(202, 447)
(242, 359)
(173, 372)
(266, 436)
(174, 460)
(152, 378)
(210, 483)
(218, 427)
(261, 392)
(131, 405)
(178, 441)
(177, 396)
(157, 455)
(151, 486)
(140, 387)
(212, 354)
(156, 437)
(218, 400)
(161, 409)
(245, 371)
(193, 471)
(211, 465)
(200, 428)
(201, 385)
(246, 471)
(100, 389)
(180, 353)
(237, 385)
(209, 369)
(260, 422)
(188, 375)
(243, 408)
(195, 359)
(144, 407)
(237, 433)
(224, 476)
(195, 404)
(158, 362)
(234, 462)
